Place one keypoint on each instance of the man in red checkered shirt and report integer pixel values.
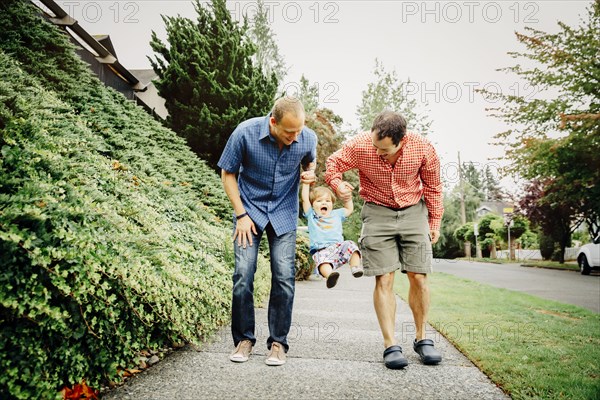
(400, 183)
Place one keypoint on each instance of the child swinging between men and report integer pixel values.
(328, 248)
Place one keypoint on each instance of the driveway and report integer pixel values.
(564, 286)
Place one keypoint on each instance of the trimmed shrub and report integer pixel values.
(546, 246)
(114, 236)
(304, 262)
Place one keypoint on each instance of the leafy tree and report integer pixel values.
(207, 77)
(461, 232)
(267, 55)
(325, 123)
(479, 184)
(489, 236)
(556, 135)
(465, 233)
(389, 92)
(520, 225)
(556, 220)
(451, 220)
(529, 240)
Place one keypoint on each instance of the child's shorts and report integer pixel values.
(337, 254)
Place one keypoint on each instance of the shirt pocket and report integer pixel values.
(293, 157)
(409, 169)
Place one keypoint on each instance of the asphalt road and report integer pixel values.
(564, 286)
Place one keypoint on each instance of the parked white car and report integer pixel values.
(588, 257)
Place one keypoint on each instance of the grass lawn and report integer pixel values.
(527, 263)
(551, 265)
(532, 348)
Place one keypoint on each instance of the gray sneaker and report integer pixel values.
(277, 355)
(357, 271)
(242, 351)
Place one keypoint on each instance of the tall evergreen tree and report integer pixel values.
(308, 95)
(473, 189)
(389, 92)
(474, 179)
(491, 185)
(208, 79)
(267, 54)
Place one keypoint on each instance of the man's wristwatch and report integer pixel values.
(241, 215)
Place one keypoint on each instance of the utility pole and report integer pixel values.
(463, 214)
(508, 221)
(509, 247)
(477, 244)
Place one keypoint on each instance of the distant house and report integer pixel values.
(493, 207)
(99, 52)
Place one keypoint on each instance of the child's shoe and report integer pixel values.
(332, 279)
(357, 271)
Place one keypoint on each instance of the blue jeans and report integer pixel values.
(283, 258)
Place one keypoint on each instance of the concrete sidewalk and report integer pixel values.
(336, 352)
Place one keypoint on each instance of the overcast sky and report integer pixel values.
(446, 48)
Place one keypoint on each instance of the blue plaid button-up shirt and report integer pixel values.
(268, 179)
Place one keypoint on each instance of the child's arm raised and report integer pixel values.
(348, 207)
(306, 197)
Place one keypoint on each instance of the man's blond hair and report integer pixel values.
(287, 105)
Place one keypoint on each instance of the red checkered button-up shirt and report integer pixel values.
(415, 175)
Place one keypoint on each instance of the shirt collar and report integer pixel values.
(265, 130)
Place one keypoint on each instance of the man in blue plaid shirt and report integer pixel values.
(261, 170)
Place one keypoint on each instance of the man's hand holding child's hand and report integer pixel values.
(308, 177)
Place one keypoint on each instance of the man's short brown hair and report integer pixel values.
(320, 191)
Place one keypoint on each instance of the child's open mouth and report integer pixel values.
(324, 209)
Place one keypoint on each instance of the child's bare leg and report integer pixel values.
(355, 259)
(355, 265)
(325, 269)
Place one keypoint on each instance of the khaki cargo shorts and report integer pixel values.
(392, 240)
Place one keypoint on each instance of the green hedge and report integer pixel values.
(114, 237)
(96, 263)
